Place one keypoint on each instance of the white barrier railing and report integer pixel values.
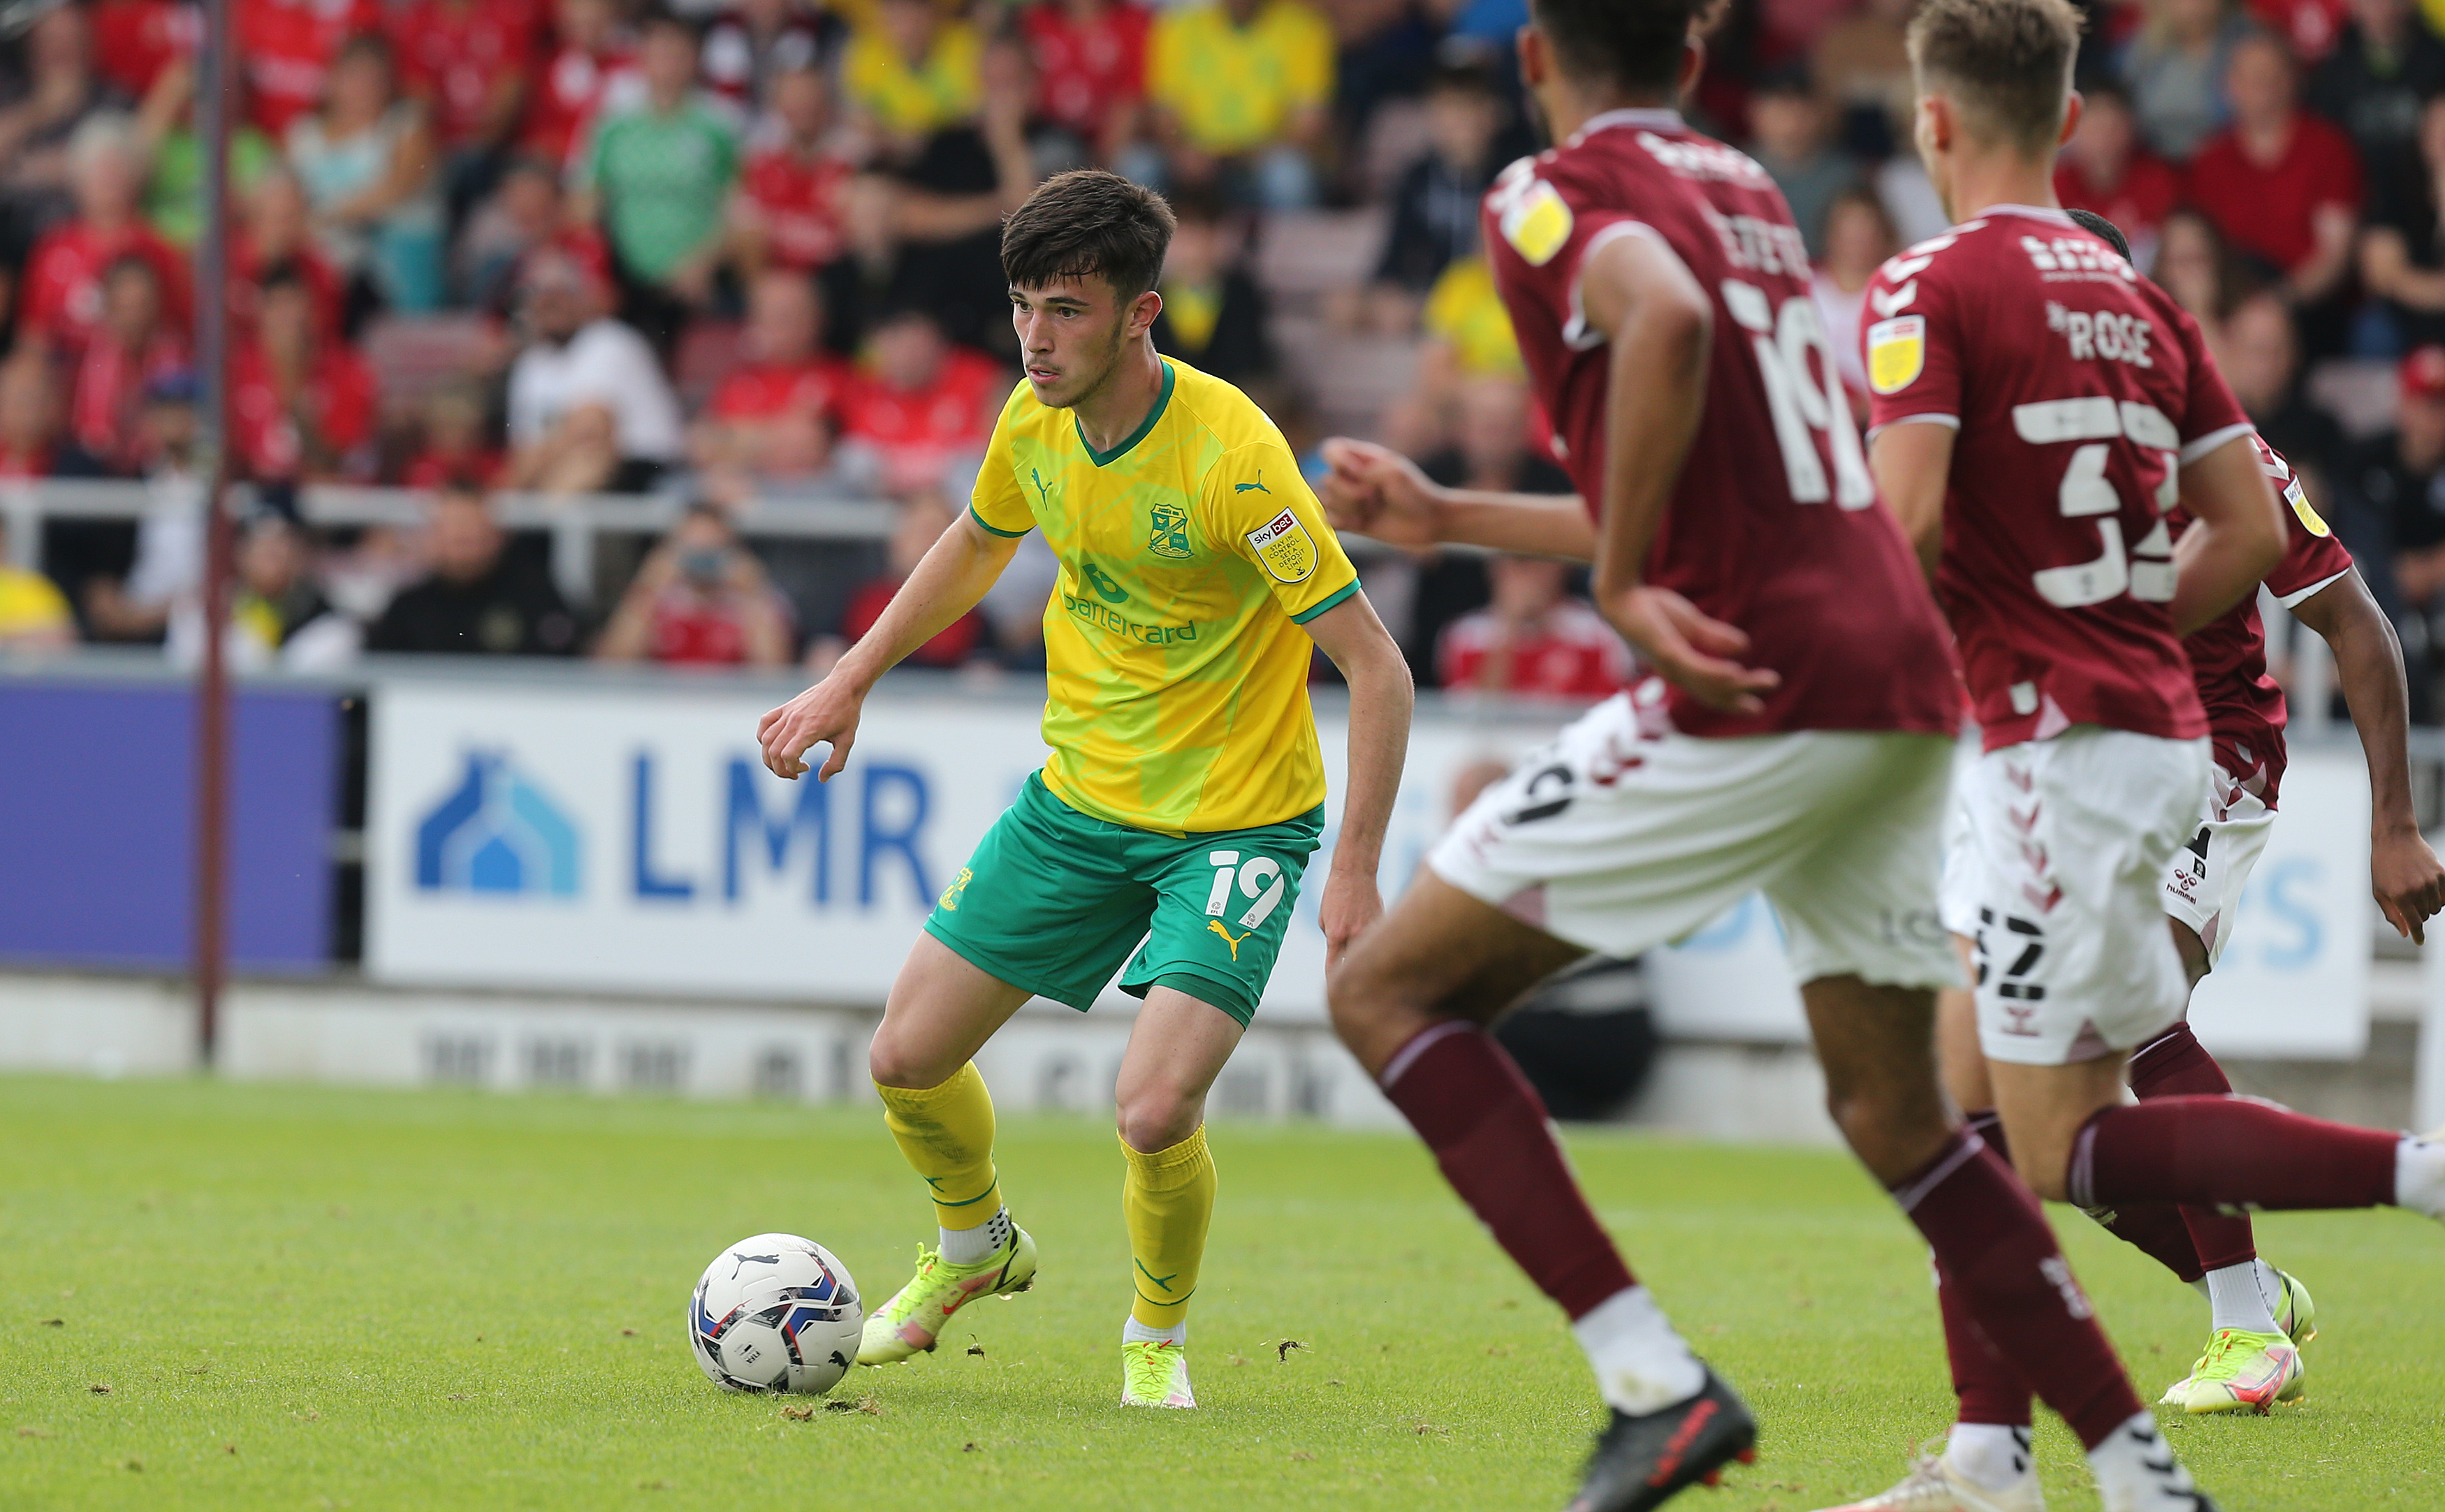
(572, 522)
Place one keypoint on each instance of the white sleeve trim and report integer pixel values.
(2297, 595)
(2212, 440)
(1575, 334)
(1930, 418)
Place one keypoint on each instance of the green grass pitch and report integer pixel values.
(253, 1296)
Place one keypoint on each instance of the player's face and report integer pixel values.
(1071, 332)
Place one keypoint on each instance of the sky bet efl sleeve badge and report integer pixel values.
(1536, 223)
(1284, 544)
(1896, 352)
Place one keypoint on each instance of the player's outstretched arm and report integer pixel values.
(951, 580)
(1659, 325)
(2403, 871)
(2237, 537)
(1380, 702)
(1379, 493)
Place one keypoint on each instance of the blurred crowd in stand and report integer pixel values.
(743, 252)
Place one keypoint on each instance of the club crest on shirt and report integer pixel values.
(1167, 530)
(1896, 352)
(1285, 547)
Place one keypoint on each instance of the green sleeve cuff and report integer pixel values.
(1007, 536)
(1307, 614)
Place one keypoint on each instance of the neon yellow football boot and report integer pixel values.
(2296, 1315)
(912, 1321)
(2244, 1372)
(1155, 1374)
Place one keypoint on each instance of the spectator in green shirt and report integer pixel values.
(658, 179)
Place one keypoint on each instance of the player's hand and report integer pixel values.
(1378, 492)
(2408, 880)
(826, 713)
(1690, 649)
(1350, 904)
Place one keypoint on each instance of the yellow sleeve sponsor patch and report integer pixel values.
(1537, 223)
(2311, 520)
(1896, 353)
(1284, 546)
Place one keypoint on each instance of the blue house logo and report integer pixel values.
(497, 834)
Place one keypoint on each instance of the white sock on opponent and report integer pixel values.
(1642, 1364)
(1988, 1455)
(1134, 1332)
(973, 1246)
(2238, 1299)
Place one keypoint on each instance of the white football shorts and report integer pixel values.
(2203, 885)
(2069, 843)
(1624, 834)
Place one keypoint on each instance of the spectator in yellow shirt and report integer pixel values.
(33, 612)
(1242, 91)
(1468, 339)
(911, 72)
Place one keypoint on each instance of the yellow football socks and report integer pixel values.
(1166, 1197)
(947, 1133)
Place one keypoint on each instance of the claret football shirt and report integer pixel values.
(1191, 553)
(2078, 390)
(2245, 706)
(1774, 524)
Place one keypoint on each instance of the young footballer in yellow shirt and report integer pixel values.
(1167, 834)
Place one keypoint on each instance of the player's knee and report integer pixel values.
(2042, 1170)
(1369, 1011)
(894, 1060)
(1157, 1117)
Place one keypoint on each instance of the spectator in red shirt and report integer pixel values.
(1090, 69)
(2282, 185)
(301, 405)
(457, 447)
(61, 302)
(1534, 640)
(700, 599)
(29, 419)
(469, 61)
(130, 346)
(921, 410)
(593, 68)
(285, 49)
(276, 226)
(2104, 168)
(775, 412)
(923, 518)
(135, 40)
(790, 209)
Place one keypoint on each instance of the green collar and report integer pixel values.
(1162, 401)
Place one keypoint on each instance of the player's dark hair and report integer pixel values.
(2089, 220)
(1088, 223)
(1632, 44)
(2008, 60)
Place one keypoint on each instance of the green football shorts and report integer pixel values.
(1055, 902)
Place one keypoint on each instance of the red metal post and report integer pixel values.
(215, 99)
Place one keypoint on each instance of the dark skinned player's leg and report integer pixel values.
(1412, 1001)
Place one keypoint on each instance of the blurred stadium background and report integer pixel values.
(596, 373)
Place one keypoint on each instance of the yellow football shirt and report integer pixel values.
(1175, 670)
(30, 604)
(940, 91)
(1465, 312)
(1234, 87)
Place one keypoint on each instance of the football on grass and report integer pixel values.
(776, 1313)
